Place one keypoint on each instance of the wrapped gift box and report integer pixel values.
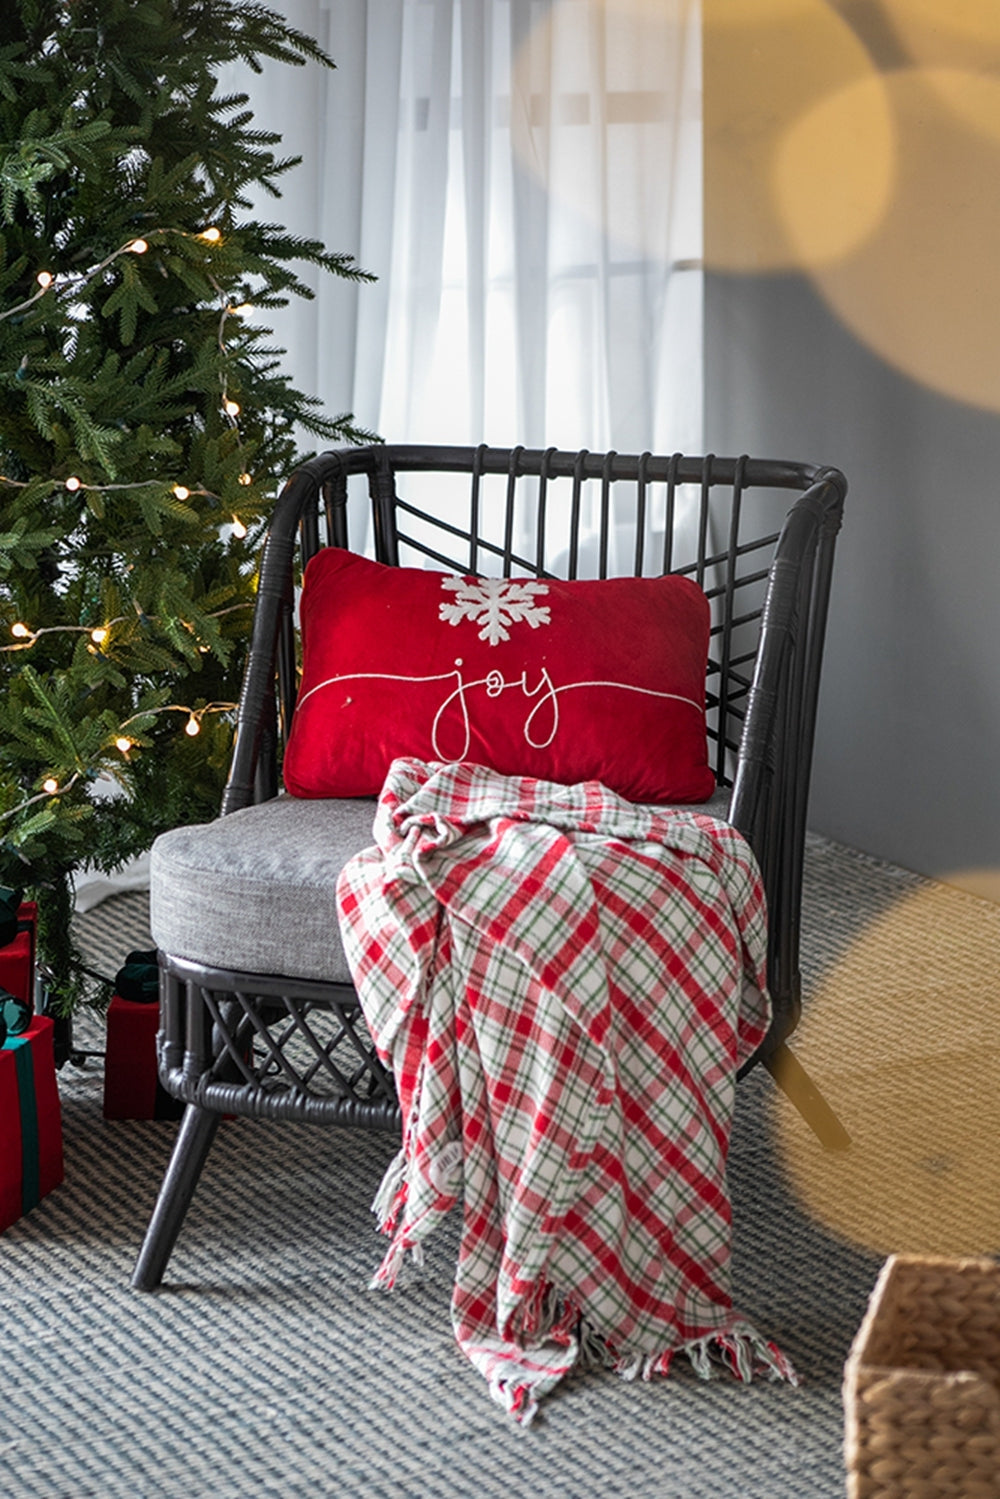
(31, 1161)
(132, 1089)
(17, 959)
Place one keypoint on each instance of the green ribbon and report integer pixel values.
(30, 1154)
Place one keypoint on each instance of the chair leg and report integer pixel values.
(194, 1140)
(796, 1084)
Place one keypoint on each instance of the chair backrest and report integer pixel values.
(519, 512)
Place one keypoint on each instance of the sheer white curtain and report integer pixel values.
(524, 177)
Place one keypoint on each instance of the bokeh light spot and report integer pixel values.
(833, 173)
(902, 1038)
(768, 66)
(921, 291)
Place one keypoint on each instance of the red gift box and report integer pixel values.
(31, 1161)
(132, 1089)
(17, 959)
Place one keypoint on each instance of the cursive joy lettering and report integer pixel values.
(541, 723)
(495, 684)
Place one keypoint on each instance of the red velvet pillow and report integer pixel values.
(564, 681)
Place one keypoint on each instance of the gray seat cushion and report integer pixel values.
(256, 891)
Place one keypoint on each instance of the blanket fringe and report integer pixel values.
(518, 1400)
(542, 1313)
(741, 1349)
(391, 1195)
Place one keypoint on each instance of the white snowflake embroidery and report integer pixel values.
(494, 603)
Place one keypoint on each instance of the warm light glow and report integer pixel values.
(245, 479)
(100, 635)
(913, 290)
(20, 630)
(921, 1101)
(192, 726)
(44, 279)
(231, 408)
(834, 172)
(777, 74)
(123, 744)
(211, 236)
(243, 310)
(73, 483)
(182, 492)
(239, 529)
(138, 247)
(51, 785)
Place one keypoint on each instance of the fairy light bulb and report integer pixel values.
(182, 492)
(20, 630)
(123, 744)
(245, 480)
(239, 529)
(138, 247)
(192, 726)
(44, 279)
(73, 483)
(100, 635)
(243, 310)
(51, 785)
(231, 408)
(211, 236)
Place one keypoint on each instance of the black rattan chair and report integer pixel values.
(267, 1029)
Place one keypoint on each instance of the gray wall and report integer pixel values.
(907, 747)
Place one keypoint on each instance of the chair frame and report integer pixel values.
(214, 1021)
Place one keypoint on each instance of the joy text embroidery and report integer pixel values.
(495, 684)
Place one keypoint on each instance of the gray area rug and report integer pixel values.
(266, 1367)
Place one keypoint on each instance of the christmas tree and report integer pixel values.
(145, 421)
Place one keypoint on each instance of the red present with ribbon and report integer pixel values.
(31, 1160)
(17, 959)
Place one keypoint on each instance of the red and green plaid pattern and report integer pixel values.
(564, 985)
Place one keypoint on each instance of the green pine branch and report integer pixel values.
(126, 584)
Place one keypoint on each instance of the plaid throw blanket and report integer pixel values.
(564, 985)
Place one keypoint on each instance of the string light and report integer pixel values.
(28, 637)
(99, 634)
(74, 282)
(191, 727)
(49, 788)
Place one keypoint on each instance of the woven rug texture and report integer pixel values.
(265, 1367)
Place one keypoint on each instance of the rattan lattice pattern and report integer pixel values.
(295, 1052)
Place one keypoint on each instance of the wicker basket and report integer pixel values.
(922, 1383)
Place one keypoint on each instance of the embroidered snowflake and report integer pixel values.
(495, 604)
